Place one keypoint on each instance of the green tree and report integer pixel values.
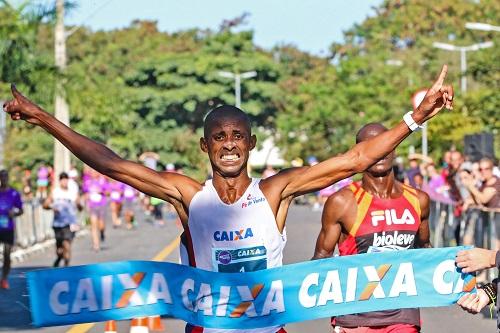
(138, 89)
(364, 88)
(22, 61)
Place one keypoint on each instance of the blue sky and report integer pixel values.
(309, 24)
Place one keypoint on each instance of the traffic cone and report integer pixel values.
(110, 326)
(139, 325)
(155, 324)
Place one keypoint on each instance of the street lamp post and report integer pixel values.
(237, 82)
(463, 56)
(417, 98)
(481, 26)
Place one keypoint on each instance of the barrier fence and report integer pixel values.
(476, 226)
(33, 228)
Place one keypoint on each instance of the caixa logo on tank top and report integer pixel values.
(251, 200)
(232, 235)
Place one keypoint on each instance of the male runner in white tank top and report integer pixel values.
(232, 212)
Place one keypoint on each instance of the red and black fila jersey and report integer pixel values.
(387, 223)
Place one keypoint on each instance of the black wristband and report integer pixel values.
(491, 291)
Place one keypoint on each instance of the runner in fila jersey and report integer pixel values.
(228, 141)
(378, 214)
(383, 223)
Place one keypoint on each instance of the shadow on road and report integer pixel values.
(14, 303)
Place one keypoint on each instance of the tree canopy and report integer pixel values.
(139, 89)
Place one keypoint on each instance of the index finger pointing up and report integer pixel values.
(440, 80)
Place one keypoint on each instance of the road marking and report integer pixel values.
(82, 328)
(167, 250)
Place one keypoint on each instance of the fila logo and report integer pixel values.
(390, 217)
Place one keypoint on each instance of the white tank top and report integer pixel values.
(64, 202)
(240, 237)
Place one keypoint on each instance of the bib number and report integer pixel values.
(4, 222)
(240, 260)
(129, 193)
(95, 197)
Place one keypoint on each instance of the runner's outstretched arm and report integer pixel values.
(364, 154)
(161, 185)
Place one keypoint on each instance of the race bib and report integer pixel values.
(240, 260)
(4, 222)
(129, 193)
(115, 195)
(95, 197)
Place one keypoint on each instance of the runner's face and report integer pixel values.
(228, 145)
(383, 166)
(64, 183)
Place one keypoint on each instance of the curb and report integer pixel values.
(21, 255)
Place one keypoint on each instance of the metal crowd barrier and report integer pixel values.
(476, 226)
(447, 229)
(34, 226)
(450, 229)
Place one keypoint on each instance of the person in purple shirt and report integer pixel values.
(129, 194)
(95, 194)
(10, 207)
(42, 181)
(115, 193)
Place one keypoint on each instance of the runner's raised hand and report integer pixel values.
(437, 97)
(22, 108)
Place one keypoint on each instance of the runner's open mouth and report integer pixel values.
(230, 157)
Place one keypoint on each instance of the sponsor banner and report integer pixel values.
(298, 292)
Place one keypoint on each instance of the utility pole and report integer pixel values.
(61, 154)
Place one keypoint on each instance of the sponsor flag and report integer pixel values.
(298, 292)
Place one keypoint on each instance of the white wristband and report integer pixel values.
(410, 122)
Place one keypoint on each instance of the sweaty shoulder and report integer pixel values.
(423, 198)
(342, 201)
(276, 183)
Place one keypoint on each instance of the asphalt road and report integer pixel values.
(149, 240)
